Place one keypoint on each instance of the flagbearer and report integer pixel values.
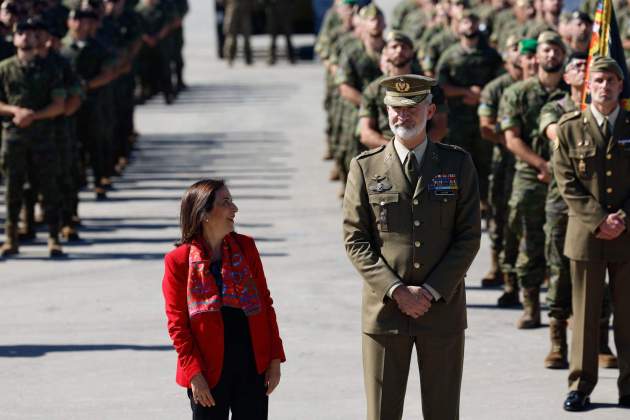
(592, 167)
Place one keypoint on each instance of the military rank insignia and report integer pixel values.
(624, 143)
(381, 185)
(444, 185)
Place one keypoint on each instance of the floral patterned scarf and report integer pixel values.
(238, 289)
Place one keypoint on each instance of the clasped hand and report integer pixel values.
(413, 301)
(612, 227)
(23, 117)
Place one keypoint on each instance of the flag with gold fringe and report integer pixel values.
(606, 41)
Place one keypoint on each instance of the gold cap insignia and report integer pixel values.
(402, 87)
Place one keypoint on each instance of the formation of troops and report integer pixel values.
(509, 72)
(71, 75)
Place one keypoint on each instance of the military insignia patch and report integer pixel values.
(381, 184)
(444, 185)
(402, 86)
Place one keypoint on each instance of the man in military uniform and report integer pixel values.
(373, 118)
(31, 94)
(592, 168)
(502, 167)
(463, 70)
(358, 66)
(556, 212)
(519, 116)
(279, 22)
(580, 28)
(548, 18)
(238, 20)
(400, 197)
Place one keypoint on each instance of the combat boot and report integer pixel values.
(493, 277)
(10, 246)
(509, 298)
(531, 305)
(70, 234)
(606, 358)
(54, 247)
(557, 357)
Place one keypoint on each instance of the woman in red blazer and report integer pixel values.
(219, 310)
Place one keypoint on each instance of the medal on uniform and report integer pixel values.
(582, 166)
(382, 217)
(444, 185)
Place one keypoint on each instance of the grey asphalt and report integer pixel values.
(86, 337)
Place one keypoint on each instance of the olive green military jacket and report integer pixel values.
(429, 234)
(592, 175)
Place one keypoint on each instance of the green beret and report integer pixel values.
(370, 11)
(398, 36)
(551, 37)
(527, 45)
(349, 2)
(603, 63)
(406, 90)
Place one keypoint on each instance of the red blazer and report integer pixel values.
(199, 342)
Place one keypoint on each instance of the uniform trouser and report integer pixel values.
(68, 184)
(386, 361)
(35, 155)
(124, 88)
(348, 145)
(279, 22)
(588, 279)
(178, 53)
(90, 133)
(109, 129)
(238, 20)
(155, 68)
(499, 191)
(466, 134)
(527, 214)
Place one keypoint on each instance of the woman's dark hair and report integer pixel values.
(196, 202)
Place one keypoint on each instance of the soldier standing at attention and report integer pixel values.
(279, 21)
(463, 70)
(31, 95)
(238, 20)
(502, 166)
(556, 211)
(412, 229)
(592, 168)
(519, 116)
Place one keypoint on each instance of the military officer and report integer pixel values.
(592, 167)
(412, 228)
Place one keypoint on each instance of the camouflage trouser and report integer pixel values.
(30, 154)
(559, 293)
(499, 191)
(238, 20)
(347, 147)
(527, 216)
(466, 134)
(279, 23)
(178, 50)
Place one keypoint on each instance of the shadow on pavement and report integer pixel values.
(39, 350)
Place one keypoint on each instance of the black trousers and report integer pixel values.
(241, 390)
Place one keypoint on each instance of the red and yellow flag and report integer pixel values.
(606, 41)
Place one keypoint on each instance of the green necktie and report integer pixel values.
(606, 128)
(411, 168)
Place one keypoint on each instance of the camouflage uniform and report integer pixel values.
(31, 150)
(401, 11)
(520, 108)
(238, 20)
(279, 22)
(357, 68)
(436, 46)
(465, 68)
(504, 240)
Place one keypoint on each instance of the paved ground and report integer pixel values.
(86, 337)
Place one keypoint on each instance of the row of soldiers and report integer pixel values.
(70, 78)
(507, 72)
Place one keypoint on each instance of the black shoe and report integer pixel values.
(508, 300)
(624, 401)
(577, 401)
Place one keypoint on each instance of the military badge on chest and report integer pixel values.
(379, 184)
(444, 185)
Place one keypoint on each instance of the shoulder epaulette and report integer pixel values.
(371, 152)
(451, 147)
(569, 116)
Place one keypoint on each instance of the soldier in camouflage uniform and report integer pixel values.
(519, 116)
(502, 167)
(401, 11)
(436, 44)
(178, 41)
(31, 94)
(559, 293)
(279, 22)
(238, 20)
(463, 70)
(373, 119)
(515, 23)
(548, 18)
(358, 66)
